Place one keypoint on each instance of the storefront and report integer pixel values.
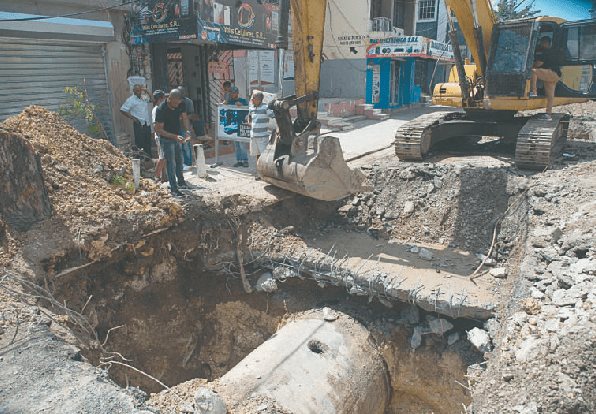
(392, 66)
(202, 43)
(40, 58)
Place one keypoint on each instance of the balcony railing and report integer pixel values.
(380, 24)
(382, 27)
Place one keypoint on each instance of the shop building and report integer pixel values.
(352, 25)
(391, 69)
(200, 44)
(41, 56)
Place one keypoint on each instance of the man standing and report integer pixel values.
(137, 109)
(259, 115)
(547, 69)
(241, 147)
(167, 124)
(190, 112)
(158, 98)
(227, 86)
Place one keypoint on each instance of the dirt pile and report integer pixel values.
(435, 203)
(89, 181)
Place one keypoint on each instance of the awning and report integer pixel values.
(55, 28)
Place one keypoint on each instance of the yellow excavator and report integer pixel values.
(491, 91)
(297, 157)
(497, 86)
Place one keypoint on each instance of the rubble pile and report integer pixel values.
(545, 356)
(89, 181)
(436, 203)
(583, 123)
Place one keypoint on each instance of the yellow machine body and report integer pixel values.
(493, 89)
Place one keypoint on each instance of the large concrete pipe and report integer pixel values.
(322, 362)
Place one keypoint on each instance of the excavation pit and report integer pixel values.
(193, 325)
(408, 275)
(210, 293)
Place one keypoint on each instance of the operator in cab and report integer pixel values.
(548, 70)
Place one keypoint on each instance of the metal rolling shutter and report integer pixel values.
(35, 72)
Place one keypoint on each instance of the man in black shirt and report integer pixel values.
(547, 69)
(167, 126)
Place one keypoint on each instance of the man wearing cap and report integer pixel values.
(158, 98)
(167, 124)
(137, 109)
(241, 147)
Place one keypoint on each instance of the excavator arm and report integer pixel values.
(297, 158)
(476, 20)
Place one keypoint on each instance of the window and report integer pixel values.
(427, 9)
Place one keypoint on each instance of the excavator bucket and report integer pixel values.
(307, 163)
(297, 158)
(315, 168)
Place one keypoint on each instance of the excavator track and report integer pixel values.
(413, 139)
(540, 141)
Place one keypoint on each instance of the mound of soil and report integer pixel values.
(89, 181)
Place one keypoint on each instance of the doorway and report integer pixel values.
(175, 65)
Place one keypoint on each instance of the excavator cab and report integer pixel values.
(578, 40)
(297, 157)
(512, 57)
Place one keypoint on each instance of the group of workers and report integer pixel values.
(171, 124)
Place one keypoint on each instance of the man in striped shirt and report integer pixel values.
(259, 116)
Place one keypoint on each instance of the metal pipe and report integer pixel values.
(459, 61)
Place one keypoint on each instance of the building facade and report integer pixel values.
(352, 25)
(200, 44)
(40, 57)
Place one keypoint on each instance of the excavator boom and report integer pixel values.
(476, 21)
(297, 158)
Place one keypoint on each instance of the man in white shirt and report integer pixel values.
(137, 109)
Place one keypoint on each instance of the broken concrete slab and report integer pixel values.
(378, 268)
